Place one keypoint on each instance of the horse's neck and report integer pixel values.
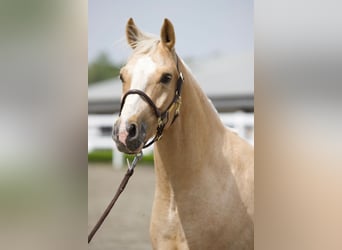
(197, 132)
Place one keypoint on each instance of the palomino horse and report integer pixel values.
(204, 197)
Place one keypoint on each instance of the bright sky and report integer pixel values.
(202, 28)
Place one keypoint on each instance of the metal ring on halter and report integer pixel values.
(137, 158)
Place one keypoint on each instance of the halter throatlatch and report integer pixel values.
(162, 117)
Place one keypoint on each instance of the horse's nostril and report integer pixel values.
(132, 130)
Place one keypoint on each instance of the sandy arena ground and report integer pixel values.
(127, 225)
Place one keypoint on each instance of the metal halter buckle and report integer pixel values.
(178, 104)
(160, 122)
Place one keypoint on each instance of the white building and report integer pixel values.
(227, 81)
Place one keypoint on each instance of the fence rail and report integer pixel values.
(100, 132)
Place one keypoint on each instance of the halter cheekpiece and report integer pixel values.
(162, 117)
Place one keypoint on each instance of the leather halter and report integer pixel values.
(163, 117)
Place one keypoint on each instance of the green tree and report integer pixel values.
(102, 69)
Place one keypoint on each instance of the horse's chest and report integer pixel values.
(167, 232)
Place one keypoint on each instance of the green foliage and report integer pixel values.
(106, 156)
(100, 156)
(147, 159)
(102, 69)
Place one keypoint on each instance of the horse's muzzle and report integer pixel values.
(129, 138)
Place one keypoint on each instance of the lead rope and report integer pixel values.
(121, 188)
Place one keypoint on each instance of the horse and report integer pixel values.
(204, 191)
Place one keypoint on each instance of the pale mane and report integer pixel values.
(144, 42)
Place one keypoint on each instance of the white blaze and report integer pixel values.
(141, 72)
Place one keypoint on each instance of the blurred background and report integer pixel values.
(214, 40)
(218, 50)
(49, 196)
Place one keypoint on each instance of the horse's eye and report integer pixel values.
(166, 78)
(121, 78)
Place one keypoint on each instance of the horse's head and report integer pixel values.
(151, 83)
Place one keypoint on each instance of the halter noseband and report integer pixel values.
(163, 117)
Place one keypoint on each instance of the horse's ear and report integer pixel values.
(167, 34)
(133, 34)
